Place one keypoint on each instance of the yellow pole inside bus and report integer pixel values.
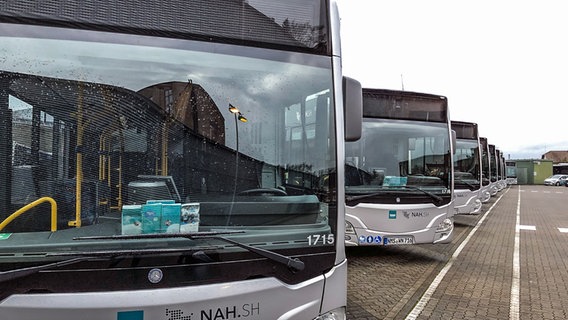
(119, 185)
(102, 158)
(79, 161)
(165, 149)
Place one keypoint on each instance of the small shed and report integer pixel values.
(533, 171)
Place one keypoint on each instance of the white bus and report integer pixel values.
(173, 160)
(494, 173)
(504, 181)
(511, 170)
(501, 180)
(467, 168)
(399, 174)
(485, 192)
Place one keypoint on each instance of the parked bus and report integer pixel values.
(173, 160)
(399, 174)
(501, 184)
(494, 170)
(504, 170)
(511, 170)
(467, 168)
(485, 192)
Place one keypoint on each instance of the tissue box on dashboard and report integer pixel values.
(189, 217)
(151, 214)
(171, 218)
(160, 216)
(132, 219)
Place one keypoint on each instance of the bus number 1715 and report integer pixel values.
(322, 239)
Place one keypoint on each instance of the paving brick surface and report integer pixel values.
(387, 282)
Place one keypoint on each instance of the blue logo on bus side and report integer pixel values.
(130, 315)
(392, 214)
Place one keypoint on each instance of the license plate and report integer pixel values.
(398, 240)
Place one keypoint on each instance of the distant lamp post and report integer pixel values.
(242, 118)
(233, 109)
(238, 117)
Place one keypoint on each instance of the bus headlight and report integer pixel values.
(337, 314)
(445, 225)
(349, 229)
(477, 205)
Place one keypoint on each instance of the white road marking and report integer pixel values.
(523, 227)
(515, 285)
(563, 230)
(432, 288)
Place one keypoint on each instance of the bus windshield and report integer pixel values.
(136, 135)
(485, 164)
(399, 156)
(466, 165)
(404, 149)
(493, 162)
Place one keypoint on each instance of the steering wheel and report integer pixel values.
(262, 192)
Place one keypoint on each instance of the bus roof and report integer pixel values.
(404, 105)
(465, 130)
(299, 26)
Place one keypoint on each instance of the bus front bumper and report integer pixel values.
(361, 236)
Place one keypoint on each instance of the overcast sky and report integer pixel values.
(502, 64)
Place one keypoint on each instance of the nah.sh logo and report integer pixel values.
(392, 214)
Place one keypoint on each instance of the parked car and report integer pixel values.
(556, 180)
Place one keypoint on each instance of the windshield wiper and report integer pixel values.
(293, 263)
(22, 272)
(90, 255)
(364, 196)
(437, 198)
(471, 185)
(84, 256)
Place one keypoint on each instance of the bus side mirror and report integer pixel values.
(352, 108)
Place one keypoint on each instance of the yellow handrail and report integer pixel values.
(79, 161)
(31, 205)
(164, 171)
